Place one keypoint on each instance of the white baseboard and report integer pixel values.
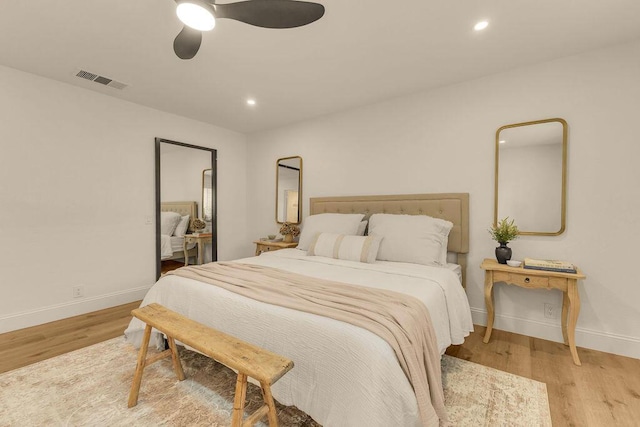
(587, 338)
(51, 313)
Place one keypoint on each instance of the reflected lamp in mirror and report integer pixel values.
(207, 195)
(289, 190)
(531, 176)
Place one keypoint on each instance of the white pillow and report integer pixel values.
(361, 228)
(444, 255)
(181, 228)
(328, 223)
(417, 239)
(168, 222)
(350, 248)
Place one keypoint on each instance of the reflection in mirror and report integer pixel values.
(289, 190)
(180, 195)
(530, 184)
(207, 195)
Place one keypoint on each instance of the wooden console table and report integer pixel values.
(536, 279)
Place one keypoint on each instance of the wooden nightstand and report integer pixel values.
(200, 240)
(536, 279)
(267, 246)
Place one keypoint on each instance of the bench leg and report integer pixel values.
(177, 366)
(238, 401)
(137, 377)
(272, 416)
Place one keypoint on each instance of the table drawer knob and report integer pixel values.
(527, 280)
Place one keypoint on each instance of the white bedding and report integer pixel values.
(171, 244)
(343, 375)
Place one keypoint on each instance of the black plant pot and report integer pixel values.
(503, 253)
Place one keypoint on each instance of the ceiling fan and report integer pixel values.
(201, 15)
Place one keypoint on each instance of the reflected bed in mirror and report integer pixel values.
(530, 180)
(289, 190)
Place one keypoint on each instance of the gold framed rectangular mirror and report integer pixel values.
(289, 190)
(531, 176)
(207, 195)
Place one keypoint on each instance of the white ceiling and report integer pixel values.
(360, 52)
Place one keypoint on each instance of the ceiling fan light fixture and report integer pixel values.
(481, 25)
(197, 15)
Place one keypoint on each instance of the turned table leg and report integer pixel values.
(565, 315)
(574, 311)
(488, 300)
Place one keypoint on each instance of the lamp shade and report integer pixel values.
(196, 14)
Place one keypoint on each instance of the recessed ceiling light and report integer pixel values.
(481, 25)
(251, 102)
(502, 141)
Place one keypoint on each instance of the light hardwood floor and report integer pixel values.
(30, 345)
(169, 265)
(604, 391)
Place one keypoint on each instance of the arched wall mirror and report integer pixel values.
(185, 185)
(289, 190)
(531, 176)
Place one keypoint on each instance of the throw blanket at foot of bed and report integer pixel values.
(399, 319)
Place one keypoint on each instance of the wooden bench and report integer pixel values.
(249, 360)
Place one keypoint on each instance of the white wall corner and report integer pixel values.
(587, 338)
(52, 313)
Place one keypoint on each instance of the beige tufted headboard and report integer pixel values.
(453, 207)
(183, 208)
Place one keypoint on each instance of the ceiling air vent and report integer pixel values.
(105, 81)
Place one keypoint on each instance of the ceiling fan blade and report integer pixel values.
(187, 43)
(271, 13)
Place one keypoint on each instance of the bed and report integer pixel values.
(172, 246)
(344, 375)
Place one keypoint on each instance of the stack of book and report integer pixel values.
(550, 265)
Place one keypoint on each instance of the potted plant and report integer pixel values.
(198, 225)
(504, 232)
(289, 231)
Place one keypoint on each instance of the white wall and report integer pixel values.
(443, 141)
(181, 173)
(76, 189)
(530, 177)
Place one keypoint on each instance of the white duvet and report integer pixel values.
(171, 244)
(166, 251)
(343, 375)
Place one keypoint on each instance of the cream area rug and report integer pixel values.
(90, 387)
